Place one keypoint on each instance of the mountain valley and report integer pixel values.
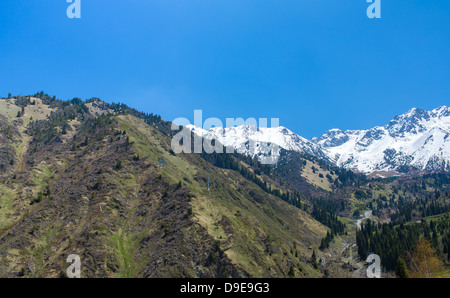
(100, 180)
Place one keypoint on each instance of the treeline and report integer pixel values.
(408, 199)
(96, 129)
(419, 186)
(292, 162)
(431, 205)
(348, 178)
(330, 220)
(149, 118)
(52, 101)
(23, 101)
(48, 130)
(331, 205)
(437, 179)
(319, 211)
(391, 242)
(345, 177)
(230, 161)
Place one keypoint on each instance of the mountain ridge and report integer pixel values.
(417, 140)
(84, 178)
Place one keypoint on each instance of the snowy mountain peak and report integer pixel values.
(418, 139)
(415, 140)
(440, 112)
(332, 138)
(240, 136)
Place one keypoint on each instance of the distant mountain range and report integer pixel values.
(102, 182)
(415, 141)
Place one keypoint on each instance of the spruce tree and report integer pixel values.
(314, 260)
(291, 271)
(401, 270)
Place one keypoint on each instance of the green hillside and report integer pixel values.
(100, 180)
(90, 184)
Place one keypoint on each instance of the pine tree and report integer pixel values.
(291, 271)
(118, 165)
(314, 260)
(401, 270)
(86, 141)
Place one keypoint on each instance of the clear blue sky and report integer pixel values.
(314, 64)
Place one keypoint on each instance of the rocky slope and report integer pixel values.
(84, 178)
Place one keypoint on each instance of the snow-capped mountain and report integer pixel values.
(250, 139)
(417, 140)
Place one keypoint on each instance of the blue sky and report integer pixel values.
(314, 64)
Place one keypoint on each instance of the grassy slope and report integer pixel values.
(313, 177)
(256, 232)
(13, 209)
(137, 224)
